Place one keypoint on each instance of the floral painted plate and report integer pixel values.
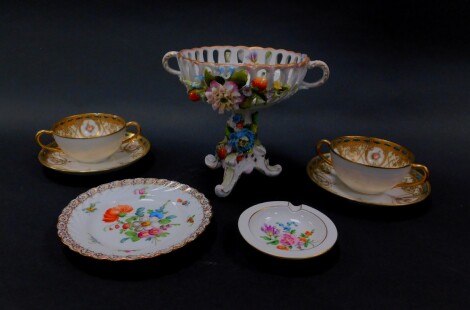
(283, 230)
(133, 219)
(325, 176)
(128, 154)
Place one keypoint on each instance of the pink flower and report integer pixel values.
(143, 234)
(269, 230)
(224, 97)
(154, 231)
(140, 191)
(289, 239)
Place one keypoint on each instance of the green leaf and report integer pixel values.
(131, 219)
(131, 233)
(292, 232)
(135, 238)
(164, 221)
(240, 78)
(246, 104)
(165, 234)
(274, 242)
(266, 238)
(228, 131)
(208, 77)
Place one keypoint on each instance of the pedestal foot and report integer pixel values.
(212, 162)
(234, 166)
(240, 152)
(262, 164)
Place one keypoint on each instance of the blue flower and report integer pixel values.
(156, 214)
(197, 82)
(291, 223)
(242, 140)
(237, 118)
(226, 72)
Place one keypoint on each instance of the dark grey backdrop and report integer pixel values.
(399, 71)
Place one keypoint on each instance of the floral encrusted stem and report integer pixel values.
(240, 152)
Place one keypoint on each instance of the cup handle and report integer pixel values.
(136, 135)
(320, 153)
(425, 172)
(326, 74)
(38, 140)
(166, 65)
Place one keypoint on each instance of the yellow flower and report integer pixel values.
(277, 85)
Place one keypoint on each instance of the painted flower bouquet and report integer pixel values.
(241, 80)
(285, 236)
(149, 225)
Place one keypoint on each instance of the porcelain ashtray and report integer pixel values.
(283, 230)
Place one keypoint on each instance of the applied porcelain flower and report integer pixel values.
(224, 97)
(242, 141)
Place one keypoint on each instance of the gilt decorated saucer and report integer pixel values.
(283, 230)
(133, 219)
(325, 176)
(128, 154)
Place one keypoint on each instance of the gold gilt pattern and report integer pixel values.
(374, 152)
(63, 227)
(89, 125)
(324, 176)
(129, 153)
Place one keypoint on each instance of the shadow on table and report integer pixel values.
(156, 267)
(251, 258)
(327, 202)
(302, 190)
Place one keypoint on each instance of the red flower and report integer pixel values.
(113, 214)
(154, 231)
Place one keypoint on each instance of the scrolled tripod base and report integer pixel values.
(234, 168)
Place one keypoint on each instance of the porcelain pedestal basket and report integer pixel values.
(242, 81)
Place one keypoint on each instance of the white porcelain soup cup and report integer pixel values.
(89, 137)
(371, 165)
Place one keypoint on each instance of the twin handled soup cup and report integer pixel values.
(90, 137)
(371, 165)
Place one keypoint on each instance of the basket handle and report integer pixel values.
(166, 65)
(326, 74)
